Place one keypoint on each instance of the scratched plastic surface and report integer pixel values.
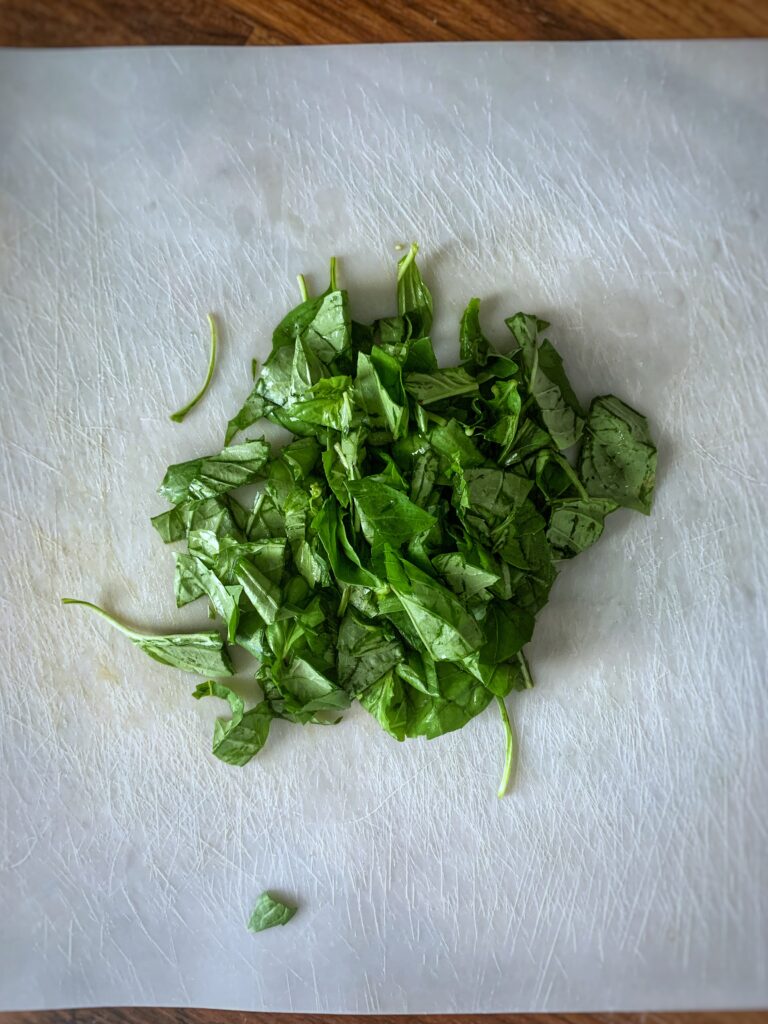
(621, 191)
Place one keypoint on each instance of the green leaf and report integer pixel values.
(414, 301)
(386, 514)
(304, 690)
(473, 345)
(194, 579)
(322, 323)
(576, 523)
(547, 382)
(212, 475)
(386, 701)
(252, 410)
(263, 594)
(618, 458)
(268, 912)
(268, 556)
(342, 557)
(384, 412)
(451, 441)
(329, 403)
(556, 478)
(366, 652)
(462, 577)
(506, 404)
(447, 631)
(492, 494)
(203, 654)
(440, 385)
(237, 739)
(461, 698)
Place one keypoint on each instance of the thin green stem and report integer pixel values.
(332, 286)
(526, 672)
(509, 756)
(345, 594)
(302, 287)
(131, 633)
(407, 260)
(177, 417)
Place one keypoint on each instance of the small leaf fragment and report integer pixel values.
(269, 912)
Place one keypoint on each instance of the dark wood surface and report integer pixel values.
(167, 1016)
(258, 22)
(267, 22)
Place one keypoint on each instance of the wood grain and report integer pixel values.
(138, 1015)
(256, 22)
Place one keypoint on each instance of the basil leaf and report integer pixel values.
(252, 410)
(366, 652)
(203, 654)
(414, 301)
(386, 514)
(194, 578)
(447, 631)
(215, 474)
(576, 523)
(461, 698)
(384, 412)
(618, 458)
(302, 690)
(263, 594)
(268, 912)
(473, 345)
(342, 557)
(386, 701)
(238, 739)
(547, 383)
(462, 577)
(440, 385)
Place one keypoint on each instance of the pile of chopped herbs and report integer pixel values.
(403, 540)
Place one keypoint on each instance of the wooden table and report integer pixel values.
(127, 1015)
(256, 22)
(253, 22)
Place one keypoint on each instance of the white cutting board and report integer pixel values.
(620, 191)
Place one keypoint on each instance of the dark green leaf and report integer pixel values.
(387, 515)
(343, 558)
(576, 523)
(618, 458)
(547, 383)
(447, 631)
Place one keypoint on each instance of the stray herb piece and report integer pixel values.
(204, 654)
(268, 912)
(178, 417)
(237, 739)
